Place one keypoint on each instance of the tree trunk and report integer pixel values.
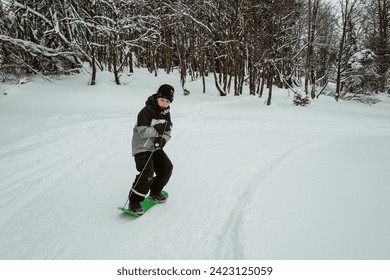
(217, 85)
(93, 78)
(269, 84)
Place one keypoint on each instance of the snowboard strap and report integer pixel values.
(138, 193)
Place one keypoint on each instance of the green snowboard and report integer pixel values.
(146, 205)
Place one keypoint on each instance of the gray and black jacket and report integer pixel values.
(144, 133)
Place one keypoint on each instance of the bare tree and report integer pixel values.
(349, 13)
(380, 42)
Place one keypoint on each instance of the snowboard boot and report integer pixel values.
(136, 208)
(159, 198)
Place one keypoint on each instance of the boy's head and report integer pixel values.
(166, 91)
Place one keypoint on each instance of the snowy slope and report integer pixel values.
(250, 181)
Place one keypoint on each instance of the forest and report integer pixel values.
(249, 45)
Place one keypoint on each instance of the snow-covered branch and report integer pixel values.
(33, 48)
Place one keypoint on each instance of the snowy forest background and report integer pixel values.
(304, 44)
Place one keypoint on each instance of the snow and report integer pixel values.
(360, 58)
(250, 181)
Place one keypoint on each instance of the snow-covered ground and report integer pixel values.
(250, 181)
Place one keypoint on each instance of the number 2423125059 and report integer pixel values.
(241, 270)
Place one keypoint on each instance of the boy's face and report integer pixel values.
(163, 102)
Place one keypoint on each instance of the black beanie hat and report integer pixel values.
(166, 91)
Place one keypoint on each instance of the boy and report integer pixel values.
(150, 134)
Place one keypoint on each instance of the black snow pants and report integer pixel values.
(158, 164)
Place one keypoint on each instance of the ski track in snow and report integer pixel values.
(48, 186)
(73, 196)
(336, 229)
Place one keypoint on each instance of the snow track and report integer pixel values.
(332, 217)
(51, 184)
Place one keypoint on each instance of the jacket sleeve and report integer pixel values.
(144, 120)
(167, 136)
(167, 132)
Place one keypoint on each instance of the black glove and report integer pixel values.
(160, 127)
(160, 142)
